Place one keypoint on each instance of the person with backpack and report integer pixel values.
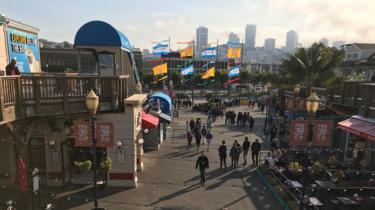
(245, 148)
(234, 154)
(223, 155)
(198, 137)
(255, 149)
(209, 137)
(203, 164)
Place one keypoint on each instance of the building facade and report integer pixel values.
(291, 41)
(269, 45)
(324, 41)
(201, 40)
(233, 38)
(359, 60)
(250, 36)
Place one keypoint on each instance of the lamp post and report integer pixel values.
(312, 105)
(92, 103)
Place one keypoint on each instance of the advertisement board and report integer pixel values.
(299, 130)
(322, 134)
(25, 48)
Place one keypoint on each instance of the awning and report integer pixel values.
(164, 118)
(359, 126)
(149, 121)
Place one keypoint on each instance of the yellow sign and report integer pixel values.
(244, 102)
(187, 52)
(160, 69)
(234, 52)
(209, 73)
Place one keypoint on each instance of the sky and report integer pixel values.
(145, 21)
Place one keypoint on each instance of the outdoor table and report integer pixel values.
(314, 202)
(348, 201)
(325, 184)
(296, 184)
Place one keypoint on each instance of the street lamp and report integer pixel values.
(92, 103)
(312, 104)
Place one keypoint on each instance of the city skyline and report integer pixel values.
(164, 18)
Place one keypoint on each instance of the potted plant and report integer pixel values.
(81, 166)
(332, 161)
(105, 166)
(316, 169)
(295, 168)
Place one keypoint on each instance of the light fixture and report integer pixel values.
(52, 143)
(297, 89)
(140, 141)
(146, 131)
(119, 144)
(92, 102)
(312, 104)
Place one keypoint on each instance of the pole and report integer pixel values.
(192, 76)
(93, 127)
(217, 64)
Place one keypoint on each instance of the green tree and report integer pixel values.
(313, 66)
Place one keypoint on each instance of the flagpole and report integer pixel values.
(169, 51)
(217, 62)
(192, 76)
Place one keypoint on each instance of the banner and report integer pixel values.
(83, 134)
(188, 70)
(234, 52)
(289, 102)
(299, 131)
(188, 42)
(234, 72)
(160, 49)
(160, 69)
(187, 52)
(209, 73)
(300, 104)
(322, 135)
(104, 134)
(209, 53)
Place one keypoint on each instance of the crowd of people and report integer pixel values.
(242, 119)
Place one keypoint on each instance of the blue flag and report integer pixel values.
(234, 72)
(189, 70)
(160, 49)
(209, 53)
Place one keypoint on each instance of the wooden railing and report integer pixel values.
(41, 95)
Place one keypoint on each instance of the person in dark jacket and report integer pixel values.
(192, 125)
(223, 155)
(202, 163)
(234, 154)
(245, 148)
(12, 69)
(198, 137)
(251, 122)
(255, 149)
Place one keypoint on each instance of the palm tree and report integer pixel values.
(313, 66)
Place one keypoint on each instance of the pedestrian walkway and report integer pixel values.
(170, 181)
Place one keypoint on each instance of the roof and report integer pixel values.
(166, 102)
(365, 46)
(363, 127)
(99, 33)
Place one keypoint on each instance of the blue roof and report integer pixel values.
(165, 100)
(99, 33)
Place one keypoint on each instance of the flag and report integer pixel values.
(160, 69)
(209, 73)
(187, 52)
(208, 65)
(167, 40)
(209, 52)
(163, 78)
(187, 70)
(234, 52)
(160, 49)
(234, 72)
(189, 42)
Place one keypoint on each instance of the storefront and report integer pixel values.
(19, 41)
(359, 141)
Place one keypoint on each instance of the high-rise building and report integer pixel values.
(338, 44)
(324, 41)
(201, 40)
(250, 33)
(291, 41)
(269, 45)
(233, 38)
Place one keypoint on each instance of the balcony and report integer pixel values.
(39, 95)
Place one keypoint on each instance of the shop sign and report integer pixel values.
(24, 47)
(322, 134)
(83, 134)
(104, 134)
(299, 130)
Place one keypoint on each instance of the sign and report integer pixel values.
(299, 131)
(35, 183)
(25, 48)
(83, 134)
(300, 104)
(104, 134)
(289, 104)
(322, 134)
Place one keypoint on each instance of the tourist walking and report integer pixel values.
(245, 148)
(204, 134)
(251, 122)
(198, 137)
(209, 137)
(203, 164)
(234, 154)
(223, 155)
(255, 149)
(189, 137)
(192, 125)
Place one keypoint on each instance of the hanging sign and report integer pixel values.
(322, 134)
(299, 131)
(104, 134)
(83, 134)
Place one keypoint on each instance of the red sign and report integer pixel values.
(83, 134)
(289, 104)
(104, 134)
(322, 135)
(300, 104)
(299, 131)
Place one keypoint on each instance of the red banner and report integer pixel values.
(104, 134)
(289, 102)
(300, 104)
(299, 131)
(83, 134)
(322, 135)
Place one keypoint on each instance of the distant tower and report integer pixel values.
(250, 33)
(291, 41)
(233, 38)
(269, 45)
(201, 40)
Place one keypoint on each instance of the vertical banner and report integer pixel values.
(104, 134)
(322, 135)
(83, 134)
(300, 104)
(299, 131)
(289, 104)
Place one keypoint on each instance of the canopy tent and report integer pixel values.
(165, 102)
(359, 126)
(111, 48)
(149, 121)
